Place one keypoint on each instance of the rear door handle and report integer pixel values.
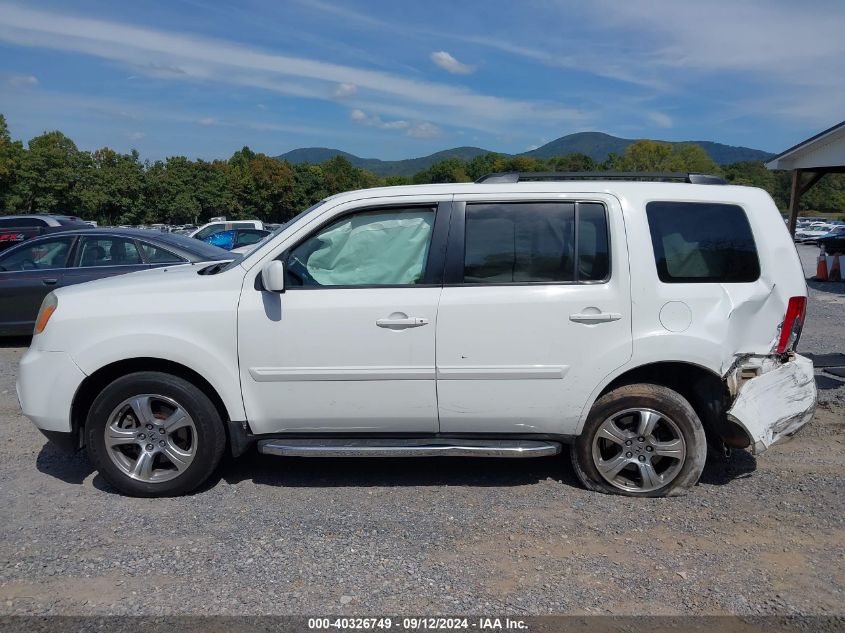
(599, 317)
(49, 282)
(402, 323)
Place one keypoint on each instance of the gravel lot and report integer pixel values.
(274, 536)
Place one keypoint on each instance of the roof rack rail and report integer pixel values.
(511, 177)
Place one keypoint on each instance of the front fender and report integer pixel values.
(218, 366)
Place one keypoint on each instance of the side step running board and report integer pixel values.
(435, 447)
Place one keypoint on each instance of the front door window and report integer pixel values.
(385, 247)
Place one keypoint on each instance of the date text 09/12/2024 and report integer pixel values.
(417, 623)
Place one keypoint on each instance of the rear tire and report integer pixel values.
(151, 434)
(640, 440)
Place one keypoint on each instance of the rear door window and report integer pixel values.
(535, 242)
(108, 251)
(702, 242)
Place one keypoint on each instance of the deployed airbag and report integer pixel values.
(377, 248)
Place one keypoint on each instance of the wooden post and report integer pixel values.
(794, 200)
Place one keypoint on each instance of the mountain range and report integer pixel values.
(596, 145)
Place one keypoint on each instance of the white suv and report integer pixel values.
(636, 321)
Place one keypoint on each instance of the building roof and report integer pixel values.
(824, 150)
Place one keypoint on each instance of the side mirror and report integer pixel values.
(273, 276)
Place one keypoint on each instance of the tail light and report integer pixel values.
(790, 331)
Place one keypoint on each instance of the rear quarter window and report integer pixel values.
(702, 242)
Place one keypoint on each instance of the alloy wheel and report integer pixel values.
(151, 438)
(639, 450)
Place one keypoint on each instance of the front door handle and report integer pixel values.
(598, 317)
(400, 323)
(49, 282)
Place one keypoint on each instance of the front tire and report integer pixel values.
(152, 434)
(640, 440)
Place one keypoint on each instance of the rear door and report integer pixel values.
(535, 311)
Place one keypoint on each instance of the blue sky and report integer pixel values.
(399, 79)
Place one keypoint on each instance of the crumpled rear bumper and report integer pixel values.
(776, 404)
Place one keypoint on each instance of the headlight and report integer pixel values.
(48, 307)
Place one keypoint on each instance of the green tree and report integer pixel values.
(212, 189)
(573, 162)
(523, 163)
(341, 175)
(656, 156)
(448, 170)
(11, 158)
(271, 190)
(49, 175)
(170, 192)
(110, 189)
(309, 185)
(484, 164)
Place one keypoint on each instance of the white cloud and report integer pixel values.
(531, 148)
(359, 116)
(136, 136)
(789, 60)
(20, 82)
(344, 90)
(180, 56)
(105, 113)
(424, 129)
(763, 36)
(450, 64)
(788, 56)
(660, 119)
(207, 120)
(415, 129)
(261, 107)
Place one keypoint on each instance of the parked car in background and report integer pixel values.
(236, 238)
(637, 322)
(15, 229)
(32, 269)
(833, 242)
(217, 226)
(810, 232)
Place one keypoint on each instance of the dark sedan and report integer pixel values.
(32, 269)
(833, 242)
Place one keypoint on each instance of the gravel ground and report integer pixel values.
(271, 536)
(825, 329)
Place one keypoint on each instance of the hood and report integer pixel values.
(165, 279)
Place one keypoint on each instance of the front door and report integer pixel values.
(535, 311)
(27, 274)
(348, 347)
